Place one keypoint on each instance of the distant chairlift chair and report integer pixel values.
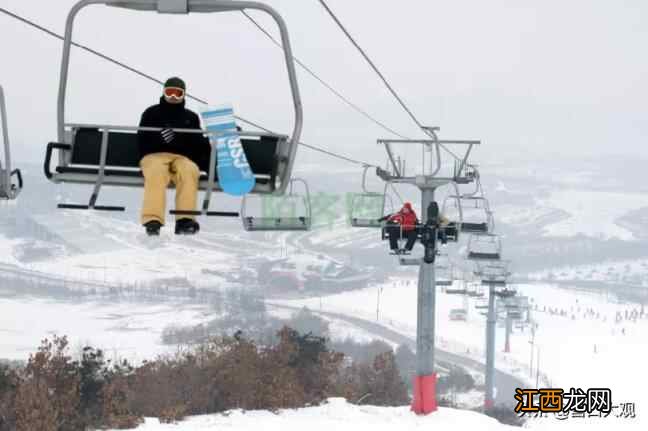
(473, 211)
(444, 272)
(367, 207)
(475, 291)
(484, 247)
(279, 213)
(495, 274)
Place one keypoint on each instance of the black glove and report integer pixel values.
(168, 135)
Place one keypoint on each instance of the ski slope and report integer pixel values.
(585, 352)
(592, 213)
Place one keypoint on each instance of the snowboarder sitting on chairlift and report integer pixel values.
(169, 156)
(402, 225)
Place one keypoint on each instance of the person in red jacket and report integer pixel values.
(402, 225)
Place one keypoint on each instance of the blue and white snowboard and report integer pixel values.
(234, 173)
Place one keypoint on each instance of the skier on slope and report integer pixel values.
(169, 156)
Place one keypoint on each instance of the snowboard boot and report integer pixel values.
(186, 226)
(153, 228)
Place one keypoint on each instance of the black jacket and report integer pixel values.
(166, 115)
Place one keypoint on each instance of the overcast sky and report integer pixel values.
(552, 77)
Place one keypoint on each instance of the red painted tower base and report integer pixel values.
(488, 404)
(424, 394)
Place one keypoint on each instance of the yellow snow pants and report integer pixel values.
(159, 169)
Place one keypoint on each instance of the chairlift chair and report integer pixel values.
(367, 207)
(99, 154)
(484, 247)
(475, 291)
(459, 290)
(493, 273)
(473, 211)
(514, 314)
(444, 274)
(481, 304)
(9, 189)
(506, 292)
(280, 213)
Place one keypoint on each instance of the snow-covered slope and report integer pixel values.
(336, 415)
(590, 349)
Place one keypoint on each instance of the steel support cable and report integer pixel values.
(382, 77)
(152, 78)
(324, 83)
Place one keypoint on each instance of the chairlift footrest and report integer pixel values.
(222, 214)
(109, 208)
(208, 213)
(182, 212)
(87, 207)
(73, 207)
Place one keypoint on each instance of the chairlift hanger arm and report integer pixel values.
(6, 172)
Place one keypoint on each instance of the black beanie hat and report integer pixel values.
(175, 82)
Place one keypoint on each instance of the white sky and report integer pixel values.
(550, 77)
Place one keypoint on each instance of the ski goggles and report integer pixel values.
(176, 92)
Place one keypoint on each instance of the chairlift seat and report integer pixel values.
(276, 223)
(366, 222)
(456, 291)
(505, 293)
(493, 282)
(483, 256)
(474, 227)
(411, 261)
(80, 161)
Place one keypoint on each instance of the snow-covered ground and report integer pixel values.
(583, 352)
(106, 250)
(123, 330)
(631, 271)
(592, 213)
(337, 415)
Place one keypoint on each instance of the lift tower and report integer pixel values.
(494, 275)
(433, 175)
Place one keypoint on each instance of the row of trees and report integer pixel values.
(55, 392)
